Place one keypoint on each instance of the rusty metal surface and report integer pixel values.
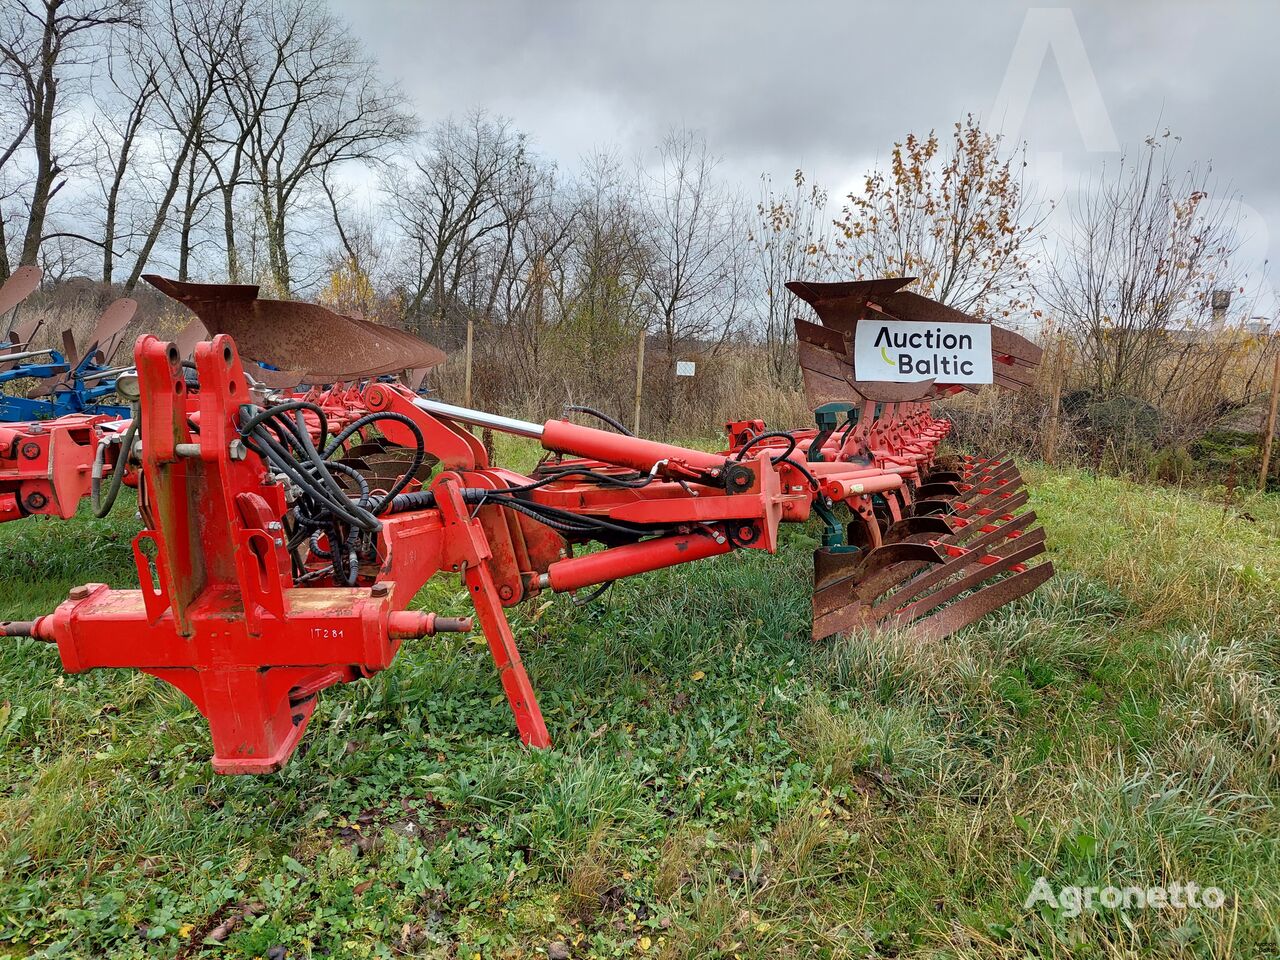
(275, 379)
(826, 365)
(979, 603)
(19, 337)
(844, 303)
(1005, 543)
(109, 330)
(826, 356)
(321, 345)
(20, 285)
(188, 337)
(960, 552)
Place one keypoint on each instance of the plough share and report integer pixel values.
(286, 533)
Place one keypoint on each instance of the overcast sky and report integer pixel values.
(830, 85)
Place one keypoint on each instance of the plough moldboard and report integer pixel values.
(287, 530)
(78, 379)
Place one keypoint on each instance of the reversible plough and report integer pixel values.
(72, 380)
(287, 532)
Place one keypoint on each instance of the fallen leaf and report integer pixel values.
(697, 675)
(223, 930)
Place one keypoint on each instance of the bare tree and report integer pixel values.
(957, 217)
(600, 302)
(133, 78)
(355, 263)
(45, 47)
(697, 236)
(191, 49)
(306, 100)
(791, 241)
(453, 202)
(15, 124)
(1136, 270)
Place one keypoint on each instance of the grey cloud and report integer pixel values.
(831, 85)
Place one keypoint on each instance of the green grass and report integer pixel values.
(719, 785)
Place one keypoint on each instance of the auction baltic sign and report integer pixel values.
(903, 351)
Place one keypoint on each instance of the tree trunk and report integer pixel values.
(46, 172)
(5, 270)
(229, 232)
(162, 214)
(188, 218)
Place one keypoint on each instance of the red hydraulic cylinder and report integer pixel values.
(561, 436)
(842, 488)
(630, 559)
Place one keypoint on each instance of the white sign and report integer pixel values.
(902, 351)
(685, 368)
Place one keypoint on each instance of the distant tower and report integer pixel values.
(1220, 303)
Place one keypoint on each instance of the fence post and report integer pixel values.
(1050, 452)
(466, 384)
(639, 381)
(1271, 425)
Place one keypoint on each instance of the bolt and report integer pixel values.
(279, 542)
(31, 450)
(379, 590)
(275, 525)
(237, 450)
(78, 593)
(36, 500)
(505, 591)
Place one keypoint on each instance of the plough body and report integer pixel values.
(287, 534)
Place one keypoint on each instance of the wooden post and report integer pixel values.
(1271, 425)
(639, 381)
(466, 387)
(1055, 405)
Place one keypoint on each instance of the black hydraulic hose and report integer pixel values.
(286, 407)
(769, 435)
(563, 520)
(604, 479)
(102, 507)
(326, 477)
(783, 457)
(280, 458)
(419, 454)
(418, 500)
(592, 412)
(844, 437)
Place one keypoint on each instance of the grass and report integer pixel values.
(719, 786)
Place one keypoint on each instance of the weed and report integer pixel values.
(719, 786)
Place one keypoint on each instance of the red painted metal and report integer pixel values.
(46, 466)
(225, 621)
(252, 627)
(252, 606)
